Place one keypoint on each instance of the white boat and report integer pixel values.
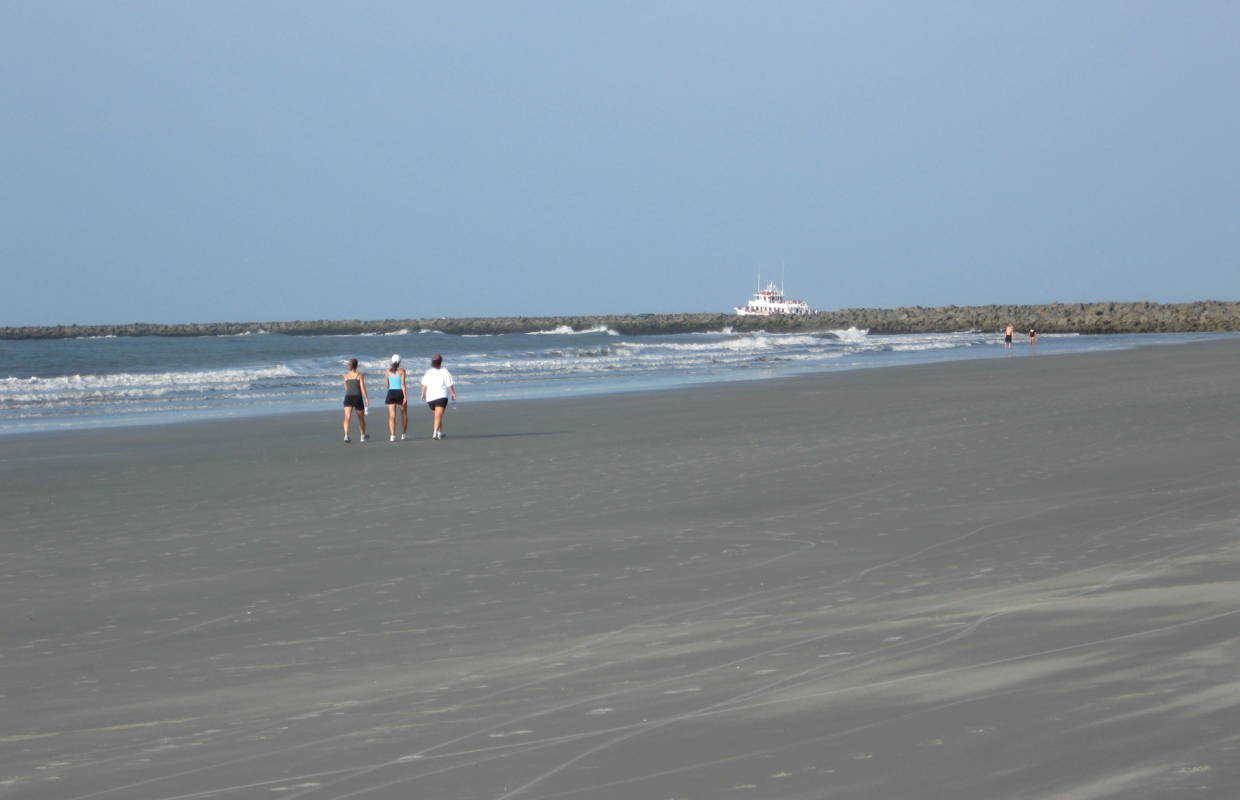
(770, 302)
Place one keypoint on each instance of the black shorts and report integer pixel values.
(440, 403)
(395, 397)
(1007, 339)
(354, 401)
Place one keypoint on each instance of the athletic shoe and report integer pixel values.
(402, 437)
(391, 438)
(365, 437)
(347, 440)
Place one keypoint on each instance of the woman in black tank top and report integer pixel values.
(355, 399)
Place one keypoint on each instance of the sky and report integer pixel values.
(240, 160)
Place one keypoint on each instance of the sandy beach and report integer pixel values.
(1008, 578)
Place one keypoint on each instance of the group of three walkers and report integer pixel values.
(437, 387)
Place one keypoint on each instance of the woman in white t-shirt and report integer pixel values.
(437, 386)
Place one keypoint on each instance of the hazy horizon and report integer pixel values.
(282, 161)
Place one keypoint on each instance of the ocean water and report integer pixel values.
(82, 383)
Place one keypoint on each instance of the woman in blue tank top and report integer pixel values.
(397, 397)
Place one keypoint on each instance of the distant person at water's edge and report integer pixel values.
(1007, 335)
(355, 399)
(437, 386)
(397, 398)
(1033, 336)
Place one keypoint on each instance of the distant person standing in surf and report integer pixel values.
(1007, 335)
(355, 399)
(437, 386)
(397, 398)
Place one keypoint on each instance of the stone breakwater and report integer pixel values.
(1140, 317)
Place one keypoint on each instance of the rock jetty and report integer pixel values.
(1128, 317)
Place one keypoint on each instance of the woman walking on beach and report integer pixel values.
(437, 385)
(397, 398)
(355, 399)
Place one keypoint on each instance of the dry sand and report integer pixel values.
(1008, 578)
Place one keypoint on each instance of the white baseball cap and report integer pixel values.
(395, 358)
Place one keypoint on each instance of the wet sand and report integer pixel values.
(1010, 578)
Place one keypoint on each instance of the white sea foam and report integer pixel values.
(202, 378)
(128, 386)
(566, 330)
(916, 342)
(618, 360)
(744, 342)
(913, 347)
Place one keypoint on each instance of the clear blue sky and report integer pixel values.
(247, 160)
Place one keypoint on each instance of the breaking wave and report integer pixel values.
(130, 386)
(567, 330)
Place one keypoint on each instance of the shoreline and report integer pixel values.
(223, 416)
(1085, 318)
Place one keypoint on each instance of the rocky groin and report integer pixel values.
(1126, 317)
